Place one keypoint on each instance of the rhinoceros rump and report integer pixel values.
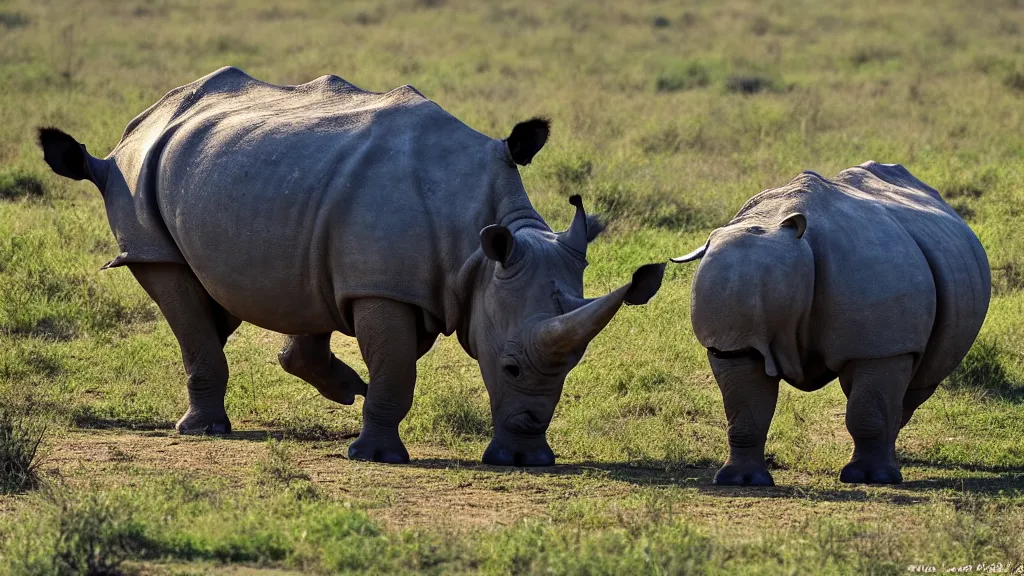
(869, 277)
(322, 207)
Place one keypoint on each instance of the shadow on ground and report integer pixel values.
(974, 480)
(919, 463)
(1009, 483)
(90, 421)
(644, 475)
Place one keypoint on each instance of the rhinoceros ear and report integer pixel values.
(594, 226)
(795, 220)
(497, 243)
(527, 139)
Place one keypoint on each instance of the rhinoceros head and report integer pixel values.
(752, 291)
(530, 325)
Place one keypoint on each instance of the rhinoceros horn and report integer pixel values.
(562, 335)
(695, 255)
(576, 237)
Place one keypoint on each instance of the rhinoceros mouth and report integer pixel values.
(525, 423)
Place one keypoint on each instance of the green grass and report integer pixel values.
(667, 116)
(21, 435)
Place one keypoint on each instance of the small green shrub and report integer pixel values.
(969, 184)
(49, 295)
(983, 369)
(453, 412)
(618, 202)
(688, 76)
(13, 20)
(16, 184)
(1014, 81)
(279, 466)
(21, 436)
(867, 54)
(572, 173)
(1007, 278)
(86, 533)
(750, 84)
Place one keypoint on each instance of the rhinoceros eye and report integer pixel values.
(512, 371)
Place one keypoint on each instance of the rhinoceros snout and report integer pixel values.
(519, 452)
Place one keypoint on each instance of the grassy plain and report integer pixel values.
(667, 116)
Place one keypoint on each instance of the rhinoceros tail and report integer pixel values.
(67, 158)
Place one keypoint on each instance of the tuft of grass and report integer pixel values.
(571, 173)
(90, 417)
(21, 435)
(683, 76)
(20, 438)
(13, 20)
(751, 84)
(984, 371)
(85, 533)
(970, 185)
(621, 203)
(1007, 278)
(963, 209)
(52, 294)
(451, 415)
(279, 469)
(1014, 80)
(864, 55)
(278, 466)
(18, 183)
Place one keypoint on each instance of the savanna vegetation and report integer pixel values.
(667, 116)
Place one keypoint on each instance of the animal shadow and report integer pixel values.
(641, 474)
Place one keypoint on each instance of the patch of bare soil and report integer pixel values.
(442, 492)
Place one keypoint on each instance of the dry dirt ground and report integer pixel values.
(439, 490)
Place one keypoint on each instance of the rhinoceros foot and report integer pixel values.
(500, 453)
(753, 474)
(378, 448)
(201, 422)
(342, 391)
(866, 472)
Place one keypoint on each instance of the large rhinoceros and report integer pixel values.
(322, 207)
(869, 277)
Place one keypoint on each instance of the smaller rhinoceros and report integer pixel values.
(869, 277)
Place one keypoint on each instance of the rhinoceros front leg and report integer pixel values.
(875, 391)
(749, 396)
(387, 334)
(202, 327)
(309, 357)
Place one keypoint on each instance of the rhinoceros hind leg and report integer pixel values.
(309, 357)
(749, 396)
(387, 334)
(875, 390)
(202, 327)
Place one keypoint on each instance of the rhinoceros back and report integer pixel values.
(955, 256)
(288, 202)
(897, 271)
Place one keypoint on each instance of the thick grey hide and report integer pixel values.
(869, 278)
(885, 268)
(321, 207)
(308, 197)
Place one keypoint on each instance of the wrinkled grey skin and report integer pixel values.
(321, 207)
(869, 277)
